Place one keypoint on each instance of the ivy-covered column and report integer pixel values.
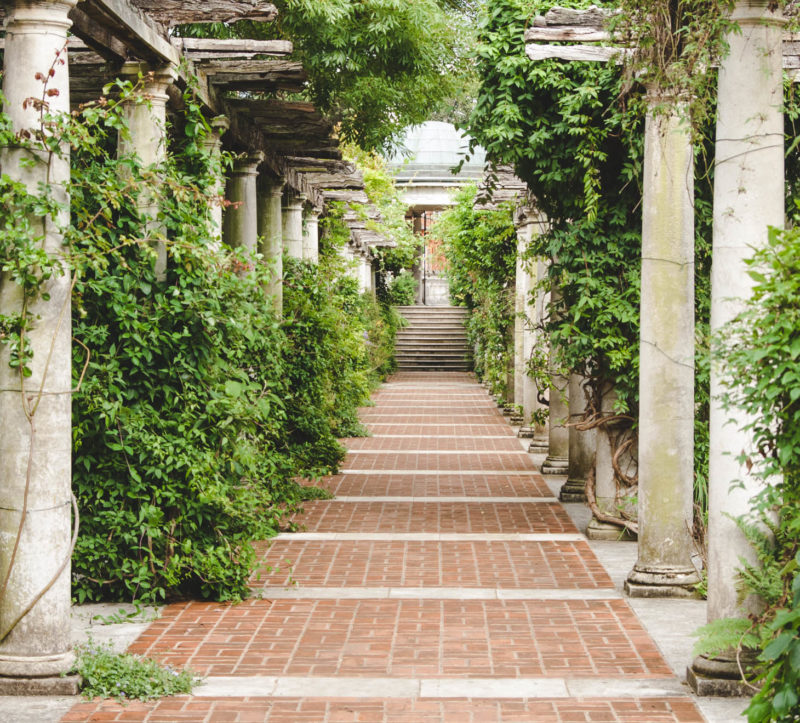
(35, 409)
(537, 343)
(748, 198)
(521, 290)
(293, 224)
(146, 116)
(666, 357)
(240, 225)
(557, 460)
(311, 235)
(581, 444)
(270, 234)
(213, 146)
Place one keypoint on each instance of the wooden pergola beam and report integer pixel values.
(178, 12)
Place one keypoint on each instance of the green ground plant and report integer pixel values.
(124, 676)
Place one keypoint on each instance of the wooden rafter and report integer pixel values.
(177, 12)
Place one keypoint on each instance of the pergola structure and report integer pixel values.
(288, 168)
(748, 199)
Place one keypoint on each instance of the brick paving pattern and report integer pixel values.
(472, 484)
(439, 445)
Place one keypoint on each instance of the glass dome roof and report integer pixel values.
(428, 151)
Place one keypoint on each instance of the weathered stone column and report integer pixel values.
(270, 234)
(521, 289)
(418, 269)
(293, 224)
(605, 482)
(35, 412)
(539, 341)
(748, 197)
(558, 454)
(240, 225)
(311, 235)
(582, 444)
(213, 145)
(147, 139)
(666, 352)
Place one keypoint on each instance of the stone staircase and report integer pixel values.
(434, 340)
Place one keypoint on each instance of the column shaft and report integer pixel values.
(293, 225)
(240, 225)
(35, 412)
(146, 117)
(311, 236)
(748, 197)
(213, 145)
(582, 444)
(558, 454)
(270, 233)
(666, 368)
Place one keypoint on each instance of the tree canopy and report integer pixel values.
(374, 66)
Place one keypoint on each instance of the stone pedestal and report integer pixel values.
(270, 233)
(35, 412)
(240, 225)
(666, 367)
(311, 236)
(748, 197)
(147, 125)
(213, 146)
(293, 224)
(581, 444)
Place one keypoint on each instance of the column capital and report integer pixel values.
(38, 13)
(247, 165)
(270, 185)
(295, 201)
(155, 79)
(760, 12)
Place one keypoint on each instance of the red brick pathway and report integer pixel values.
(468, 597)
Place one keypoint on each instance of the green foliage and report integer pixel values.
(374, 66)
(760, 357)
(402, 289)
(481, 249)
(195, 406)
(124, 676)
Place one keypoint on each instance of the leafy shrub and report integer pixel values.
(402, 289)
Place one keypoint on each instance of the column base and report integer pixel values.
(555, 465)
(539, 446)
(526, 432)
(573, 490)
(676, 582)
(718, 677)
(54, 685)
(597, 530)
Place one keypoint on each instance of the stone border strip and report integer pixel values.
(434, 536)
(342, 687)
(436, 593)
(465, 500)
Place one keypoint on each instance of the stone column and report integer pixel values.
(538, 340)
(35, 412)
(240, 225)
(558, 454)
(213, 145)
(311, 236)
(293, 224)
(605, 484)
(748, 197)
(270, 234)
(418, 270)
(147, 138)
(666, 352)
(582, 444)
